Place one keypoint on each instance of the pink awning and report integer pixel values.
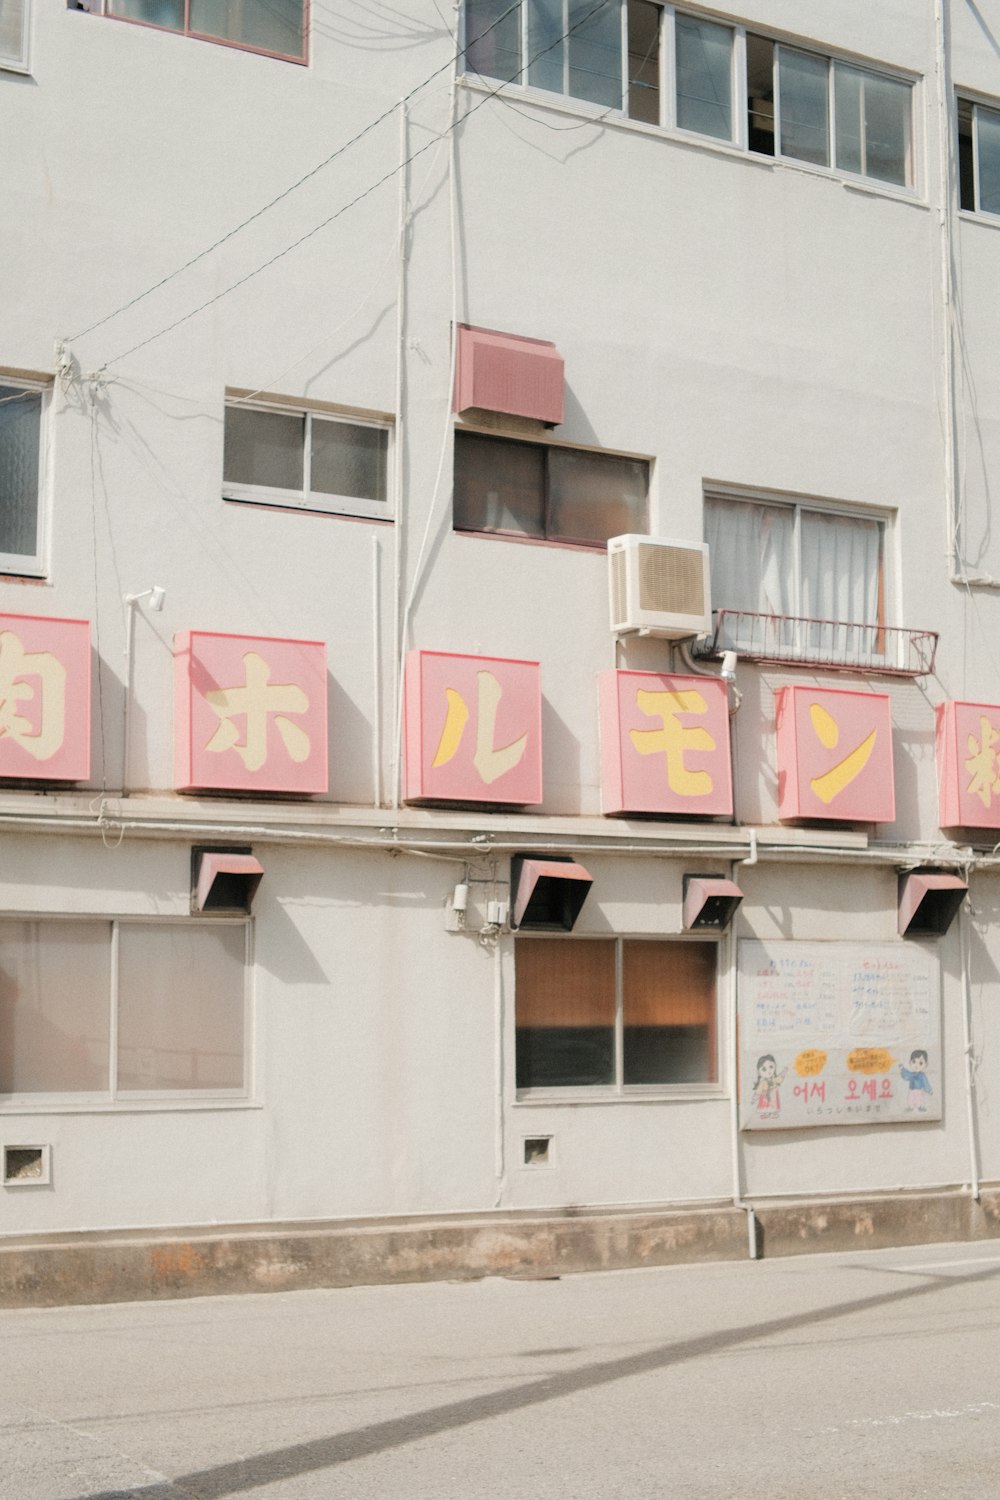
(503, 372)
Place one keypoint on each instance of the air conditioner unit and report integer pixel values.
(659, 587)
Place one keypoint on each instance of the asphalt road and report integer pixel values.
(826, 1377)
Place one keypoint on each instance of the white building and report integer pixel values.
(245, 247)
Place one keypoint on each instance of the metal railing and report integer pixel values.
(834, 644)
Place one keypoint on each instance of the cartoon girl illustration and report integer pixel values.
(765, 1090)
(916, 1076)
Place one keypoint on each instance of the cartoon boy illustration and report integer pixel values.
(765, 1090)
(916, 1076)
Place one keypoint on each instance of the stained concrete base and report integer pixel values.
(136, 1265)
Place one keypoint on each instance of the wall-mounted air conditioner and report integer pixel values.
(659, 587)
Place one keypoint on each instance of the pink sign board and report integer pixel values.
(473, 729)
(968, 765)
(44, 698)
(664, 744)
(249, 713)
(835, 755)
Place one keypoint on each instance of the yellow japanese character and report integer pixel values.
(674, 739)
(253, 703)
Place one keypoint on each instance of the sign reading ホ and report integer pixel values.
(838, 1034)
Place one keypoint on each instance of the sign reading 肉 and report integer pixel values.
(838, 1034)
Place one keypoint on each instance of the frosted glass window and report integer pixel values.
(166, 13)
(594, 496)
(348, 459)
(20, 449)
(264, 448)
(804, 106)
(270, 25)
(704, 77)
(493, 39)
(55, 1007)
(14, 33)
(301, 459)
(181, 1007)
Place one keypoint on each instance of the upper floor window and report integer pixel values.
(14, 35)
(276, 27)
(979, 157)
(22, 467)
(306, 459)
(536, 490)
(796, 581)
(687, 73)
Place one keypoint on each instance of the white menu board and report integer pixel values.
(838, 1034)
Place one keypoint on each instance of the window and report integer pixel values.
(276, 27)
(800, 105)
(306, 459)
(979, 157)
(797, 580)
(560, 494)
(95, 1010)
(22, 464)
(14, 35)
(617, 1015)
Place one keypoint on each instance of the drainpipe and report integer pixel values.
(753, 1247)
(968, 1052)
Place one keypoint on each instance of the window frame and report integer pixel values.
(543, 538)
(619, 1091)
(313, 501)
(33, 564)
(976, 104)
(113, 1099)
(19, 64)
(103, 8)
(884, 628)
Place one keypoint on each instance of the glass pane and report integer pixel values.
(349, 460)
(180, 1006)
(493, 46)
(55, 1007)
(263, 447)
(644, 61)
(704, 77)
(887, 129)
(669, 1012)
(594, 496)
(595, 52)
(988, 131)
(166, 13)
(545, 46)
(272, 25)
(966, 174)
(12, 30)
(802, 92)
(20, 436)
(564, 1013)
(499, 486)
(760, 95)
(847, 86)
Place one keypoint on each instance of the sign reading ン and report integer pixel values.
(250, 713)
(44, 698)
(835, 755)
(664, 744)
(473, 730)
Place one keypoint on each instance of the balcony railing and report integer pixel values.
(832, 644)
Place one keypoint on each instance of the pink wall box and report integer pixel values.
(835, 755)
(44, 698)
(664, 744)
(473, 729)
(249, 713)
(968, 765)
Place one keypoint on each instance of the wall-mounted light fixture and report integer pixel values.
(547, 891)
(929, 901)
(710, 902)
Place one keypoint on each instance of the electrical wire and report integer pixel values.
(293, 187)
(353, 202)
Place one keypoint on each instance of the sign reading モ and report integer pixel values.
(664, 744)
(44, 698)
(473, 730)
(250, 713)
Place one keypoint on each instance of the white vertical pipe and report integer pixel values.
(398, 465)
(376, 677)
(499, 1081)
(968, 1052)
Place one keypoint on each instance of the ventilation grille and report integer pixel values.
(671, 579)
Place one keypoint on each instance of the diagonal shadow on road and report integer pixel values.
(285, 1463)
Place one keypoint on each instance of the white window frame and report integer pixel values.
(306, 499)
(143, 1100)
(797, 648)
(9, 62)
(24, 564)
(620, 1091)
(976, 104)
